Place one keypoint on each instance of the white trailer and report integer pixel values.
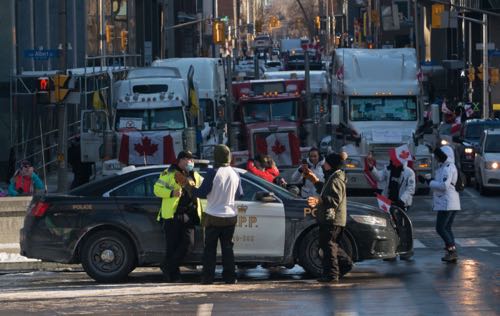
(377, 106)
(210, 78)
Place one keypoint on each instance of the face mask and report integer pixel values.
(190, 166)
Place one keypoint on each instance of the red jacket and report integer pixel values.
(268, 174)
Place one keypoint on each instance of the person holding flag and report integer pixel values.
(398, 179)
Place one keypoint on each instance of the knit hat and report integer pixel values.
(185, 154)
(336, 160)
(222, 156)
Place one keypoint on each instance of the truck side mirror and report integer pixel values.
(335, 115)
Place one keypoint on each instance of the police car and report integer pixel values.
(110, 227)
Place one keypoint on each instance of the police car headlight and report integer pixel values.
(492, 165)
(369, 220)
(468, 150)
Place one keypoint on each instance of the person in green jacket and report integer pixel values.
(179, 213)
(331, 216)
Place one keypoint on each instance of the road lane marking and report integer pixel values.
(497, 253)
(474, 242)
(9, 246)
(482, 249)
(468, 192)
(204, 310)
(418, 244)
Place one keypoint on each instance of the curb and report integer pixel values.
(15, 267)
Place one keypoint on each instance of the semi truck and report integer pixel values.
(377, 105)
(268, 118)
(149, 122)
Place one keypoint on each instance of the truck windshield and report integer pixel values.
(383, 109)
(150, 119)
(492, 144)
(270, 111)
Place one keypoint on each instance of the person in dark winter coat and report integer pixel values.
(331, 214)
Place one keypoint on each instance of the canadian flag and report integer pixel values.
(284, 148)
(150, 149)
(383, 203)
(400, 155)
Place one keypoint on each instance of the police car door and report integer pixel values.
(260, 230)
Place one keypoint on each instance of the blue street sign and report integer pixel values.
(42, 54)
(495, 53)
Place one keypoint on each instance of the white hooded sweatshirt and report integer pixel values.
(444, 195)
(308, 188)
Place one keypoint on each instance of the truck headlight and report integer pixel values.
(352, 164)
(369, 220)
(444, 142)
(492, 165)
(468, 150)
(423, 163)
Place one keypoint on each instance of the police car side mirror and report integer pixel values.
(264, 196)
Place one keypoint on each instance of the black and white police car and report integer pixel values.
(110, 227)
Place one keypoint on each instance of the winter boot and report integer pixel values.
(450, 256)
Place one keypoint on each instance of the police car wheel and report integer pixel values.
(310, 255)
(107, 256)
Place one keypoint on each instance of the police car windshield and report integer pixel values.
(383, 109)
(474, 131)
(492, 144)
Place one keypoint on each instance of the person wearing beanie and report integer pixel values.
(445, 198)
(220, 187)
(331, 215)
(179, 212)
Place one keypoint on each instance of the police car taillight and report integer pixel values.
(40, 208)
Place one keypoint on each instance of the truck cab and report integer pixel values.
(268, 119)
(377, 106)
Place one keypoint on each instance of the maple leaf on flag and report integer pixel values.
(404, 155)
(278, 148)
(146, 148)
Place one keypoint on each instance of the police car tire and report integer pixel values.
(123, 252)
(309, 257)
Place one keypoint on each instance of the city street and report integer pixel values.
(424, 286)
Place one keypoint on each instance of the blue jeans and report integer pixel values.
(443, 226)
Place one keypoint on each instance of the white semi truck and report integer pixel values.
(377, 106)
(148, 124)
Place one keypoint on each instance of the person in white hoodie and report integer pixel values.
(314, 164)
(445, 198)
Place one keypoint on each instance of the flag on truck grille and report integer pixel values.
(149, 149)
(284, 148)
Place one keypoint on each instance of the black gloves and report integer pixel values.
(422, 179)
(20, 190)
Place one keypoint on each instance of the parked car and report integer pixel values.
(468, 139)
(110, 227)
(487, 161)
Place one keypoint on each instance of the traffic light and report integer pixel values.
(480, 72)
(471, 74)
(437, 12)
(110, 33)
(43, 90)
(218, 32)
(317, 22)
(494, 76)
(124, 39)
(61, 90)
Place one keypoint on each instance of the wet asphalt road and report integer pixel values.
(424, 286)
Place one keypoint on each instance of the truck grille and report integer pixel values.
(381, 151)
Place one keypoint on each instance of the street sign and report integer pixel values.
(495, 53)
(41, 54)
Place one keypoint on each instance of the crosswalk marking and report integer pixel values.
(474, 242)
(418, 244)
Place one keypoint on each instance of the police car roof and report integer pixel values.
(198, 163)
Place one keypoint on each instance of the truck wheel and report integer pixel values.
(107, 256)
(310, 254)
